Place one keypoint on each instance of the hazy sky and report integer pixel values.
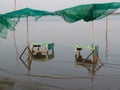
(49, 5)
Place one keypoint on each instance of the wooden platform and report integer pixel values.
(88, 61)
(40, 57)
(40, 47)
(91, 58)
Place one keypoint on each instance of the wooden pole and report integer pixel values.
(92, 34)
(14, 28)
(92, 41)
(106, 52)
(27, 32)
(14, 36)
(29, 55)
(14, 5)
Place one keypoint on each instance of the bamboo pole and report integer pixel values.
(29, 55)
(92, 34)
(106, 52)
(27, 32)
(14, 36)
(92, 41)
(14, 5)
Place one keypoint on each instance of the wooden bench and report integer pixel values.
(42, 47)
(94, 53)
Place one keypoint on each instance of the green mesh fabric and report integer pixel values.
(88, 12)
(10, 19)
(5, 25)
(27, 12)
(3, 33)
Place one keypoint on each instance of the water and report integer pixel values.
(61, 72)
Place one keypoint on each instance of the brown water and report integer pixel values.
(60, 72)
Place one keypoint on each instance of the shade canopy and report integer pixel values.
(27, 12)
(88, 12)
(8, 22)
(5, 25)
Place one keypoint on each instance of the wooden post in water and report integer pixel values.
(28, 46)
(106, 52)
(27, 32)
(92, 41)
(14, 37)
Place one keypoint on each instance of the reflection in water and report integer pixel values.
(90, 62)
(28, 58)
(92, 68)
(41, 57)
(27, 62)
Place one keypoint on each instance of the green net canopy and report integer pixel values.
(5, 25)
(27, 12)
(88, 12)
(8, 21)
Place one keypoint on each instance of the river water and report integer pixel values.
(60, 71)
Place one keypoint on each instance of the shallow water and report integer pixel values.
(61, 72)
